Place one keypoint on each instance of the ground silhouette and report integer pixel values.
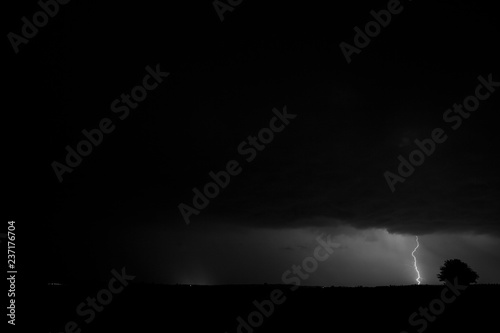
(169, 308)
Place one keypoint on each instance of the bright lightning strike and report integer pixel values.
(415, 262)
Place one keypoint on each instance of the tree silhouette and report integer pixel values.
(455, 268)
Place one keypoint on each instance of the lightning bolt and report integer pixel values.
(415, 261)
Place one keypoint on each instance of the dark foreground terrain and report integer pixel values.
(159, 308)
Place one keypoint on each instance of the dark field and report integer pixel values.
(183, 308)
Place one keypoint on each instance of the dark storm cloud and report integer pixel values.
(327, 167)
(324, 170)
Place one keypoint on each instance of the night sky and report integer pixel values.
(323, 174)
